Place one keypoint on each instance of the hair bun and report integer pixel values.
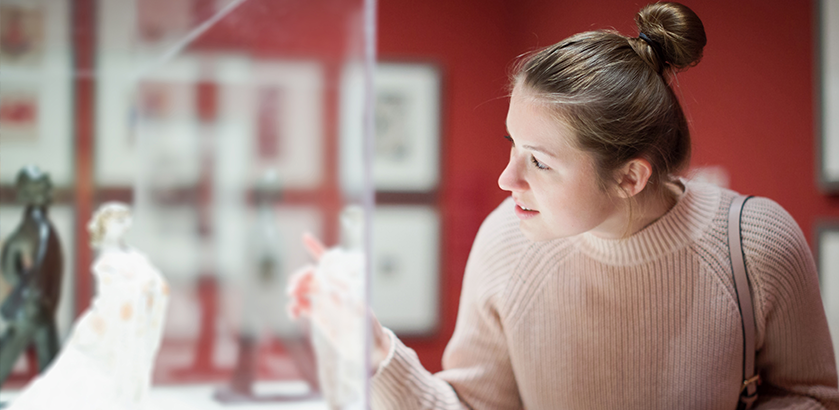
(676, 30)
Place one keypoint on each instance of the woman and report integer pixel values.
(605, 281)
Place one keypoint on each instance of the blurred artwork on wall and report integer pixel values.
(162, 20)
(286, 122)
(827, 255)
(406, 268)
(18, 115)
(36, 88)
(270, 139)
(827, 140)
(407, 127)
(21, 34)
(392, 142)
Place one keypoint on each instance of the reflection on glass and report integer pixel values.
(218, 122)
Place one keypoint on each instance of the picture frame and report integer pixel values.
(405, 286)
(36, 89)
(269, 116)
(147, 126)
(827, 138)
(406, 156)
(268, 112)
(827, 259)
(283, 113)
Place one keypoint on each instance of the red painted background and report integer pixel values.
(751, 101)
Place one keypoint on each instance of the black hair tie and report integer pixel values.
(659, 52)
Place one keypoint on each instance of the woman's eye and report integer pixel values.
(537, 163)
(509, 138)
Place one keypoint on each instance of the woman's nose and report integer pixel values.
(510, 179)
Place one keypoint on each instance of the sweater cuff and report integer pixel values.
(390, 352)
(390, 385)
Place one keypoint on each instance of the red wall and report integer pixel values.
(471, 44)
(751, 102)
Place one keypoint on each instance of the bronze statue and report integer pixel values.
(32, 265)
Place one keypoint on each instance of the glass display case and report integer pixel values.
(222, 124)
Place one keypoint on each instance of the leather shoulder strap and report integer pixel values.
(748, 390)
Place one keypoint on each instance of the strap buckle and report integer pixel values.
(754, 379)
(747, 398)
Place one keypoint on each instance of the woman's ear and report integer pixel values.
(633, 177)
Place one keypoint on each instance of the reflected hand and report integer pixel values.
(301, 285)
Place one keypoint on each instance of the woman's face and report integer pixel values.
(553, 183)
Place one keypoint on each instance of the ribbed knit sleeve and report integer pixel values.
(478, 372)
(795, 355)
(402, 383)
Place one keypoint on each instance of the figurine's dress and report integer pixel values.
(107, 363)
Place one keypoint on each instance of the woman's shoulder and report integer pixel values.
(769, 231)
(762, 218)
(777, 255)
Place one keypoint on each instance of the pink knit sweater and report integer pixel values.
(648, 322)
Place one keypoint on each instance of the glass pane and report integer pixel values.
(227, 127)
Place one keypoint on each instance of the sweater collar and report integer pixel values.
(682, 224)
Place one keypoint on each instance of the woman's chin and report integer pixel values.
(533, 232)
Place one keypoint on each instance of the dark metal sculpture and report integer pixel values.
(32, 265)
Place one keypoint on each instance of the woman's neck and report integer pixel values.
(634, 214)
(652, 206)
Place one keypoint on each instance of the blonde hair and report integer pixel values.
(99, 221)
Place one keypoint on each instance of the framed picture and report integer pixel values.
(22, 34)
(285, 122)
(158, 128)
(406, 156)
(36, 89)
(163, 21)
(406, 268)
(19, 114)
(827, 143)
(827, 251)
(148, 127)
(270, 119)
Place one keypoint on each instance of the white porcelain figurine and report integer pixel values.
(107, 362)
(337, 318)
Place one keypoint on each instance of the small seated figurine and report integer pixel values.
(108, 361)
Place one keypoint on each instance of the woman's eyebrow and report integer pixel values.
(531, 147)
(538, 149)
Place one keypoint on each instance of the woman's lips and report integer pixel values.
(525, 213)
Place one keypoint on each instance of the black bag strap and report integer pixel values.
(748, 390)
